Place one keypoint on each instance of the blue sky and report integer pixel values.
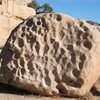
(82, 9)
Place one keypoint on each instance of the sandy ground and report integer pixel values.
(11, 93)
(4, 96)
(18, 97)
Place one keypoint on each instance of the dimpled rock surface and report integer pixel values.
(52, 54)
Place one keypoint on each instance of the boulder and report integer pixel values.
(52, 54)
(20, 11)
(12, 13)
(6, 26)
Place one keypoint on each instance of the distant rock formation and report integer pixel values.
(12, 12)
(52, 54)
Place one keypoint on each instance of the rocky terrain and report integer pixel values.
(48, 54)
(36, 39)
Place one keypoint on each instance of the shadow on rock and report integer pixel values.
(13, 90)
(95, 92)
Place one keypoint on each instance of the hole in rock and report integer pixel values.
(88, 44)
(30, 66)
(44, 24)
(17, 54)
(46, 48)
(64, 60)
(73, 57)
(56, 46)
(62, 51)
(78, 43)
(59, 18)
(22, 62)
(29, 22)
(83, 57)
(81, 65)
(80, 81)
(70, 47)
(47, 80)
(23, 28)
(79, 33)
(34, 27)
(85, 35)
(45, 38)
(76, 73)
(23, 34)
(0, 2)
(28, 29)
(38, 23)
(14, 70)
(85, 28)
(37, 47)
(20, 42)
(62, 89)
(52, 40)
(22, 71)
(69, 65)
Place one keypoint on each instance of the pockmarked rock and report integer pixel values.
(52, 54)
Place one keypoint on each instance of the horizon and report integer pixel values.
(80, 9)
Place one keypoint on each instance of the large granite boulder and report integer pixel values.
(52, 54)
